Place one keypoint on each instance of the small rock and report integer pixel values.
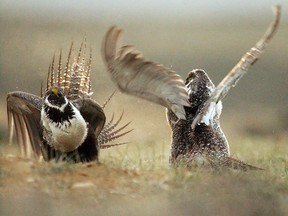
(79, 185)
(30, 179)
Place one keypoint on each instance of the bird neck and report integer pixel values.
(57, 115)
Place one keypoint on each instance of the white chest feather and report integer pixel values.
(213, 112)
(67, 135)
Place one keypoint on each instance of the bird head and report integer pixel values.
(199, 87)
(55, 97)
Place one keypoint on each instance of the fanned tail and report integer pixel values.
(106, 146)
(66, 74)
(216, 164)
(107, 101)
(110, 133)
(74, 79)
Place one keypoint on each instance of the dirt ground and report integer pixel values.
(29, 187)
(136, 179)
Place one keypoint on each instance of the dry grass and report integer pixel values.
(136, 179)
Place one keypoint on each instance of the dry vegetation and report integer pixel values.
(136, 179)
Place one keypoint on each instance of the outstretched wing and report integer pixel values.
(238, 71)
(23, 110)
(136, 76)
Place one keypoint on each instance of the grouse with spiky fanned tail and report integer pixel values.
(64, 123)
(193, 108)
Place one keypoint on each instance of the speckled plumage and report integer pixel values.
(193, 113)
(205, 143)
(208, 139)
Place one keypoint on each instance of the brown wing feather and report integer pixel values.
(92, 112)
(231, 79)
(23, 110)
(136, 76)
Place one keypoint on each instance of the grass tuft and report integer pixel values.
(136, 178)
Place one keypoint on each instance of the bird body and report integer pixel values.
(65, 124)
(207, 141)
(64, 128)
(193, 110)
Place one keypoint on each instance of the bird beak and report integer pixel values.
(54, 91)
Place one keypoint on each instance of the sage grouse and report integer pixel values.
(193, 110)
(65, 123)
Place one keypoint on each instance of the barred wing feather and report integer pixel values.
(145, 79)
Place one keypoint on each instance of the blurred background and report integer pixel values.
(183, 35)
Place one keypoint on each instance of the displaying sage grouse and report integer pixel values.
(65, 123)
(194, 107)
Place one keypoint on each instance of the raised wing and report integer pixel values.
(136, 76)
(23, 110)
(238, 71)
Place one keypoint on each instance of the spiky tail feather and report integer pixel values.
(213, 163)
(110, 132)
